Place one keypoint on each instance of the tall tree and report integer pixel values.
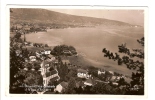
(129, 60)
(71, 86)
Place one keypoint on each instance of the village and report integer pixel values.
(57, 73)
(47, 69)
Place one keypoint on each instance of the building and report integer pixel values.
(111, 72)
(45, 65)
(67, 52)
(32, 58)
(47, 51)
(88, 82)
(47, 74)
(38, 54)
(113, 78)
(61, 87)
(50, 75)
(18, 52)
(81, 73)
(66, 62)
(51, 57)
(100, 72)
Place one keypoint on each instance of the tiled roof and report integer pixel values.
(82, 71)
(50, 56)
(89, 81)
(64, 84)
(54, 78)
(51, 73)
(65, 61)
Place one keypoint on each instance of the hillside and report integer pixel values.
(51, 17)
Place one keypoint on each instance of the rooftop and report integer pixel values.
(64, 84)
(51, 73)
(66, 61)
(54, 78)
(89, 81)
(81, 71)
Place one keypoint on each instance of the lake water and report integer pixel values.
(89, 42)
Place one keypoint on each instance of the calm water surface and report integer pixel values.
(89, 42)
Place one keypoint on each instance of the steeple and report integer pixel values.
(24, 37)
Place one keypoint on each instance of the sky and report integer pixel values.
(135, 17)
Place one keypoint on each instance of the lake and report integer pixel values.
(89, 42)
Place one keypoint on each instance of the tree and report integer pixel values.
(33, 78)
(129, 60)
(16, 63)
(71, 86)
(63, 71)
(46, 45)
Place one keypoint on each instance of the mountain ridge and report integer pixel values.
(37, 15)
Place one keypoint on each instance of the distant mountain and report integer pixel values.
(36, 15)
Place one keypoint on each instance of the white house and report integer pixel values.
(32, 58)
(66, 62)
(115, 83)
(113, 78)
(81, 73)
(101, 72)
(47, 52)
(25, 69)
(88, 82)
(111, 72)
(67, 52)
(60, 87)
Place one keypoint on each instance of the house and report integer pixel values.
(25, 69)
(31, 44)
(113, 78)
(42, 52)
(67, 62)
(118, 78)
(18, 52)
(32, 69)
(45, 65)
(47, 51)
(88, 82)
(51, 57)
(18, 26)
(50, 75)
(55, 62)
(115, 83)
(38, 54)
(26, 28)
(32, 58)
(111, 72)
(26, 60)
(61, 87)
(100, 72)
(81, 73)
(67, 52)
(99, 81)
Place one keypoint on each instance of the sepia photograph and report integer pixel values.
(77, 51)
